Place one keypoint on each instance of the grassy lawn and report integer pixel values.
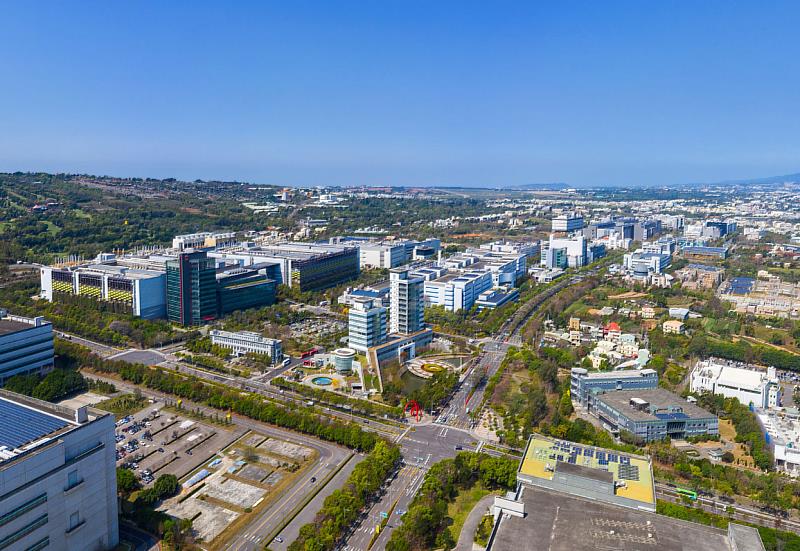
(122, 405)
(460, 508)
(52, 229)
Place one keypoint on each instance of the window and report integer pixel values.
(72, 479)
(74, 520)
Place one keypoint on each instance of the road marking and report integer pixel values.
(403, 434)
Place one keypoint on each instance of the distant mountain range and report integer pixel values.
(795, 178)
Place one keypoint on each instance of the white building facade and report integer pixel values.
(244, 342)
(748, 384)
(58, 486)
(407, 302)
(366, 324)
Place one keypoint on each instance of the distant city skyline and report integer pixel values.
(403, 93)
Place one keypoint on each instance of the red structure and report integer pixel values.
(416, 410)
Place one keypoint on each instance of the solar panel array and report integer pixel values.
(20, 425)
(628, 472)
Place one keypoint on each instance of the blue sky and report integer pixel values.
(402, 93)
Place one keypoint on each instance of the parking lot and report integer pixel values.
(239, 483)
(155, 441)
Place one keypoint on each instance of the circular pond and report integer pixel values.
(322, 381)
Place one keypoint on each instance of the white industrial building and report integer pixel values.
(392, 253)
(457, 291)
(643, 262)
(382, 255)
(26, 346)
(138, 292)
(567, 222)
(748, 384)
(204, 239)
(248, 342)
(783, 437)
(58, 484)
(565, 252)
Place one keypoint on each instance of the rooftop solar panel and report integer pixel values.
(21, 425)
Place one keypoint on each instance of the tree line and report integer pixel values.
(425, 524)
(246, 404)
(342, 508)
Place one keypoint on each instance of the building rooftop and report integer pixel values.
(8, 327)
(28, 423)
(544, 457)
(653, 404)
(621, 374)
(558, 522)
(702, 267)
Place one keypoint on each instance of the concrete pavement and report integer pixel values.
(466, 538)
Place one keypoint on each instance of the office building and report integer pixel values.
(782, 430)
(700, 276)
(747, 383)
(653, 414)
(586, 386)
(705, 252)
(506, 268)
(248, 342)
(58, 485)
(204, 240)
(457, 291)
(191, 288)
(641, 263)
(366, 323)
(565, 252)
(568, 222)
(382, 255)
(395, 252)
(343, 359)
(242, 288)
(307, 266)
(573, 497)
(379, 292)
(407, 302)
(26, 346)
(495, 298)
(121, 289)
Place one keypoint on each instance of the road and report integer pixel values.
(393, 500)
(292, 530)
(330, 456)
(469, 394)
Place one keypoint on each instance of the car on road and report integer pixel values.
(313, 479)
(278, 539)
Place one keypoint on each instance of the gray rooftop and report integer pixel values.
(8, 327)
(558, 522)
(659, 399)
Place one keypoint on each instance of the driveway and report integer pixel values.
(465, 539)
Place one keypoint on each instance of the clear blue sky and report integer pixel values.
(402, 93)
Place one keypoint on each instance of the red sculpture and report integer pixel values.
(416, 410)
